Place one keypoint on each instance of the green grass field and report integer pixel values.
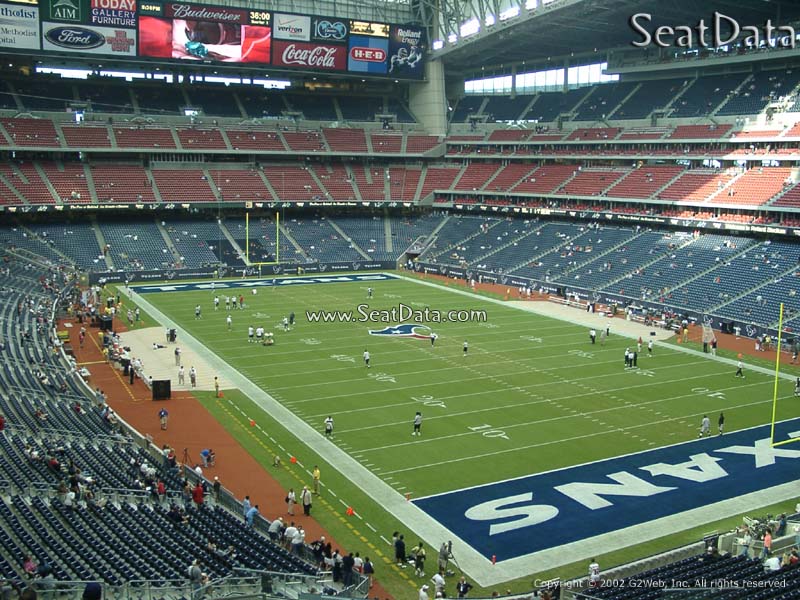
(532, 395)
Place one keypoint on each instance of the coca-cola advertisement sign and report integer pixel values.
(301, 55)
(197, 12)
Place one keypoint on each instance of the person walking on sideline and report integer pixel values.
(291, 500)
(705, 425)
(739, 367)
(306, 500)
(163, 416)
(315, 474)
(721, 423)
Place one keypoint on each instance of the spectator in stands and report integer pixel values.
(92, 591)
(298, 541)
(275, 528)
(198, 495)
(251, 515)
(348, 562)
(195, 576)
(29, 566)
(772, 564)
(767, 549)
(2, 423)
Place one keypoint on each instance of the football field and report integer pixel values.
(532, 395)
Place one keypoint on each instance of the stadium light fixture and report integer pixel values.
(509, 13)
(471, 27)
(490, 20)
(452, 38)
(438, 44)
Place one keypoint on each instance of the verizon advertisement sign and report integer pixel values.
(292, 27)
(299, 55)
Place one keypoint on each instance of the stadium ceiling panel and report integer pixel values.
(544, 31)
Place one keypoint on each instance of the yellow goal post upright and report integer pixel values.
(775, 387)
(259, 264)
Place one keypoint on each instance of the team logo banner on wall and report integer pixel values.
(299, 55)
(108, 41)
(292, 27)
(198, 32)
(113, 13)
(19, 27)
(329, 31)
(406, 51)
(368, 54)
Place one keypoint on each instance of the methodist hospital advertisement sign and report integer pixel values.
(19, 26)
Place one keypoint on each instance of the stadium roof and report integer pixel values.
(578, 28)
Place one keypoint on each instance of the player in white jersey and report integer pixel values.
(250, 333)
(216, 302)
(366, 358)
(229, 321)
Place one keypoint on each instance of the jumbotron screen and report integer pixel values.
(182, 31)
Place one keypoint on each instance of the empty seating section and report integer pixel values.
(75, 240)
(475, 176)
(546, 249)
(259, 102)
(508, 176)
(551, 104)
(105, 96)
(183, 185)
(368, 232)
(371, 182)
(457, 229)
(7, 101)
(644, 181)
(253, 139)
(438, 178)
(417, 144)
(685, 258)
(198, 242)
(44, 93)
(122, 183)
(27, 181)
(192, 138)
(696, 185)
(756, 186)
(406, 230)
(336, 180)
(403, 183)
(509, 135)
(745, 579)
(21, 237)
(361, 108)
(686, 132)
(468, 105)
(69, 181)
(545, 180)
(245, 185)
(592, 182)
(346, 140)
(293, 183)
(320, 241)
(790, 199)
(137, 246)
(591, 254)
(705, 94)
(595, 133)
(502, 108)
(650, 96)
(304, 141)
(214, 99)
(31, 132)
(144, 137)
(313, 108)
(159, 99)
(386, 142)
(398, 108)
(604, 100)
(762, 88)
(86, 136)
(489, 249)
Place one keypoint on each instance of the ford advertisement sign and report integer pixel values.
(108, 41)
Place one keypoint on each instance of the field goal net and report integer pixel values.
(708, 334)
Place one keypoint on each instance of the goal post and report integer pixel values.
(247, 260)
(775, 419)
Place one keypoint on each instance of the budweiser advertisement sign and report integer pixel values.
(301, 55)
(198, 12)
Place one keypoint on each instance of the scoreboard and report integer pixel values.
(181, 32)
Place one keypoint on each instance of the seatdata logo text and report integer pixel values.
(523, 516)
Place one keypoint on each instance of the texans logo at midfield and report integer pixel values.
(408, 330)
